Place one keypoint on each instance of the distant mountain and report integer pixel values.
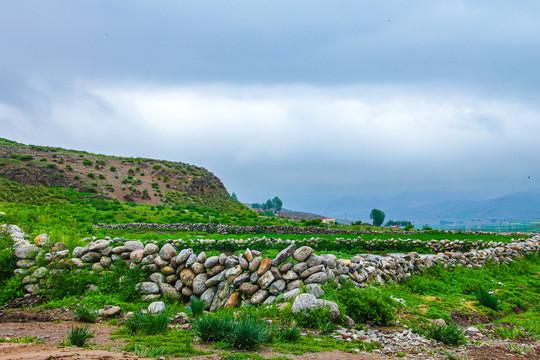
(520, 206)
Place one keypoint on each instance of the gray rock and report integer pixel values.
(215, 279)
(277, 287)
(302, 253)
(319, 277)
(286, 266)
(157, 278)
(211, 262)
(148, 287)
(283, 255)
(300, 267)
(201, 258)
(269, 300)
(315, 290)
(168, 290)
(312, 270)
(149, 259)
(40, 273)
(243, 263)
(254, 277)
(98, 245)
(167, 252)
(222, 259)
(240, 279)
(232, 273)
(156, 307)
(79, 251)
(290, 275)
(150, 249)
(207, 296)
(26, 251)
(105, 261)
(136, 256)
(306, 302)
(259, 297)
(248, 289)
(314, 260)
(183, 256)
(289, 295)
(230, 262)
(198, 268)
(159, 261)
(215, 270)
(115, 250)
(198, 284)
(254, 264)
(192, 259)
(91, 257)
(266, 279)
(133, 245)
(295, 284)
(248, 255)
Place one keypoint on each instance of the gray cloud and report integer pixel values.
(307, 100)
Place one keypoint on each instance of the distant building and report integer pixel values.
(328, 221)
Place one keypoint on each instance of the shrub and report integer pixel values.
(91, 175)
(87, 162)
(197, 307)
(147, 323)
(248, 333)
(85, 315)
(156, 167)
(69, 167)
(289, 334)
(509, 332)
(101, 176)
(112, 168)
(487, 299)
(317, 318)
(367, 305)
(448, 334)
(78, 336)
(213, 327)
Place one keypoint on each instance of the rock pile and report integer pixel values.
(230, 280)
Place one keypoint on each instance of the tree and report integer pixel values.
(377, 216)
(277, 203)
(234, 196)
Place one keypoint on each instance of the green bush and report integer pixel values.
(487, 299)
(213, 327)
(78, 336)
(317, 318)
(81, 313)
(67, 282)
(249, 333)
(367, 305)
(11, 289)
(147, 323)
(448, 334)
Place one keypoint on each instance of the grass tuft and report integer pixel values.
(78, 336)
(147, 323)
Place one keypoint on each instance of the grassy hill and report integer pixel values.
(139, 180)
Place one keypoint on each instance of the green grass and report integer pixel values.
(79, 336)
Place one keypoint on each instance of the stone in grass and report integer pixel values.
(167, 252)
(307, 302)
(156, 307)
(148, 287)
(302, 253)
(110, 311)
(283, 255)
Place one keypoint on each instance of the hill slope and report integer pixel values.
(139, 180)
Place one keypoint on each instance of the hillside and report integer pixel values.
(139, 180)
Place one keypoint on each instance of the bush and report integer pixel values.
(248, 333)
(487, 299)
(81, 313)
(289, 334)
(147, 323)
(367, 305)
(317, 318)
(245, 333)
(448, 334)
(112, 168)
(78, 336)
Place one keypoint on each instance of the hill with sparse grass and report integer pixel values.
(138, 180)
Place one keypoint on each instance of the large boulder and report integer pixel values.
(302, 253)
(306, 302)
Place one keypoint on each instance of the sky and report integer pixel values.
(308, 100)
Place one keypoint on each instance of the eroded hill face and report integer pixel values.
(137, 180)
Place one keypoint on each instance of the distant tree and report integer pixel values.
(359, 222)
(269, 204)
(234, 196)
(277, 203)
(377, 216)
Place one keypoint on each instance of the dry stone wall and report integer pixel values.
(229, 280)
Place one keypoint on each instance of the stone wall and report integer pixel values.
(229, 280)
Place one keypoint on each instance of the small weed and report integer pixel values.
(85, 315)
(509, 332)
(78, 336)
(487, 299)
(197, 307)
(153, 352)
(448, 334)
(147, 323)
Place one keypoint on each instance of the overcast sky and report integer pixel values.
(307, 100)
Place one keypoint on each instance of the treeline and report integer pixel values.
(398, 222)
(270, 204)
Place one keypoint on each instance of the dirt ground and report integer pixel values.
(51, 326)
